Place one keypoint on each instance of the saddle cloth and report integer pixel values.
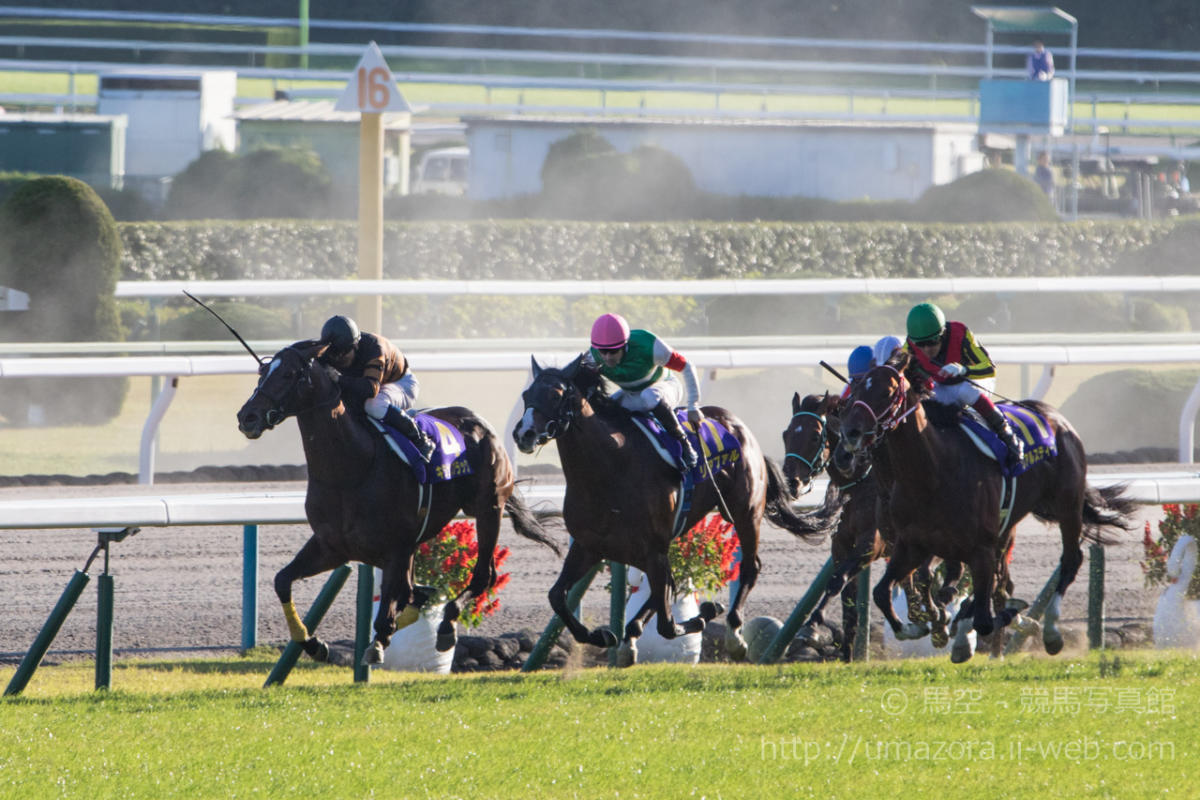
(714, 443)
(449, 458)
(1029, 425)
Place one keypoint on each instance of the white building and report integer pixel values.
(781, 158)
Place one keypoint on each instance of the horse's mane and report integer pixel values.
(590, 383)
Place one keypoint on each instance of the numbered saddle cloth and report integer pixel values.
(1033, 430)
(713, 442)
(449, 458)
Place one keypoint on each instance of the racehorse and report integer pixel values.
(948, 499)
(362, 501)
(622, 498)
(861, 536)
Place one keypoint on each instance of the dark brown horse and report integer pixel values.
(948, 499)
(362, 501)
(862, 535)
(621, 500)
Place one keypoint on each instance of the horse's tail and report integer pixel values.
(814, 525)
(1107, 507)
(528, 523)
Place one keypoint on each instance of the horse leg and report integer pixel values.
(983, 577)
(576, 564)
(312, 559)
(850, 616)
(1072, 558)
(397, 585)
(964, 637)
(627, 651)
(904, 560)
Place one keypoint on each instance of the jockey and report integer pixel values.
(374, 372)
(959, 369)
(884, 348)
(857, 365)
(635, 361)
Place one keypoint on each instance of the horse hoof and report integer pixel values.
(317, 650)
(1053, 642)
(961, 652)
(735, 644)
(626, 654)
(710, 610)
(373, 654)
(1026, 626)
(602, 637)
(446, 641)
(939, 637)
(1016, 604)
(814, 638)
(911, 630)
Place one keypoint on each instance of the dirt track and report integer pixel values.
(179, 589)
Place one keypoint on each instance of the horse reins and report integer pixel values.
(275, 414)
(894, 414)
(821, 459)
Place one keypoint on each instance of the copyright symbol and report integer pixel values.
(893, 701)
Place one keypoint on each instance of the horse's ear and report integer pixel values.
(572, 369)
(536, 367)
(795, 402)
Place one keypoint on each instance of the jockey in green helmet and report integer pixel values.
(961, 371)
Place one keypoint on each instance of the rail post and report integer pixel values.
(45, 637)
(104, 606)
(1096, 597)
(249, 587)
(1017, 638)
(791, 627)
(362, 621)
(291, 653)
(550, 635)
(616, 606)
(860, 650)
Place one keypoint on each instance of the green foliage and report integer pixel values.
(1100, 409)
(268, 183)
(251, 321)
(59, 243)
(1172, 254)
(1176, 522)
(990, 195)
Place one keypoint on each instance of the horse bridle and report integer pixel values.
(275, 413)
(821, 459)
(560, 418)
(891, 416)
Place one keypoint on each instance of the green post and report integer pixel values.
(249, 587)
(861, 649)
(549, 636)
(291, 653)
(1096, 597)
(791, 627)
(104, 631)
(1016, 638)
(362, 627)
(45, 637)
(616, 606)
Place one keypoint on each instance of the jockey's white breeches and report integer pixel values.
(961, 394)
(668, 389)
(402, 394)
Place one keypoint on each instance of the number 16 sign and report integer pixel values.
(371, 89)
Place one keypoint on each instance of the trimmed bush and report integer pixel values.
(990, 195)
(251, 321)
(59, 243)
(269, 183)
(1130, 409)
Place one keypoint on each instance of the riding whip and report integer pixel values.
(836, 374)
(201, 303)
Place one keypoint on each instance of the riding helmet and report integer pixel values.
(860, 361)
(925, 323)
(341, 333)
(609, 332)
(884, 349)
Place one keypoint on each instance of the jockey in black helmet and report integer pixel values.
(376, 374)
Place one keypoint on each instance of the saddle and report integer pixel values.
(449, 455)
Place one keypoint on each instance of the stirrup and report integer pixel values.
(425, 447)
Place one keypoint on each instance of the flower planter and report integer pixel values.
(414, 647)
(1177, 618)
(652, 647)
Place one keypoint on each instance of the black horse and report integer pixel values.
(363, 502)
(622, 498)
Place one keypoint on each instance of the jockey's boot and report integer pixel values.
(408, 427)
(666, 417)
(996, 421)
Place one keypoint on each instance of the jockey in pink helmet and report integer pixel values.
(643, 366)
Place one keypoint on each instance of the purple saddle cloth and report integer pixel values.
(1031, 427)
(449, 459)
(714, 443)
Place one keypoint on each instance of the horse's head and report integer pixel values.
(808, 440)
(551, 404)
(875, 405)
(289, 383)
